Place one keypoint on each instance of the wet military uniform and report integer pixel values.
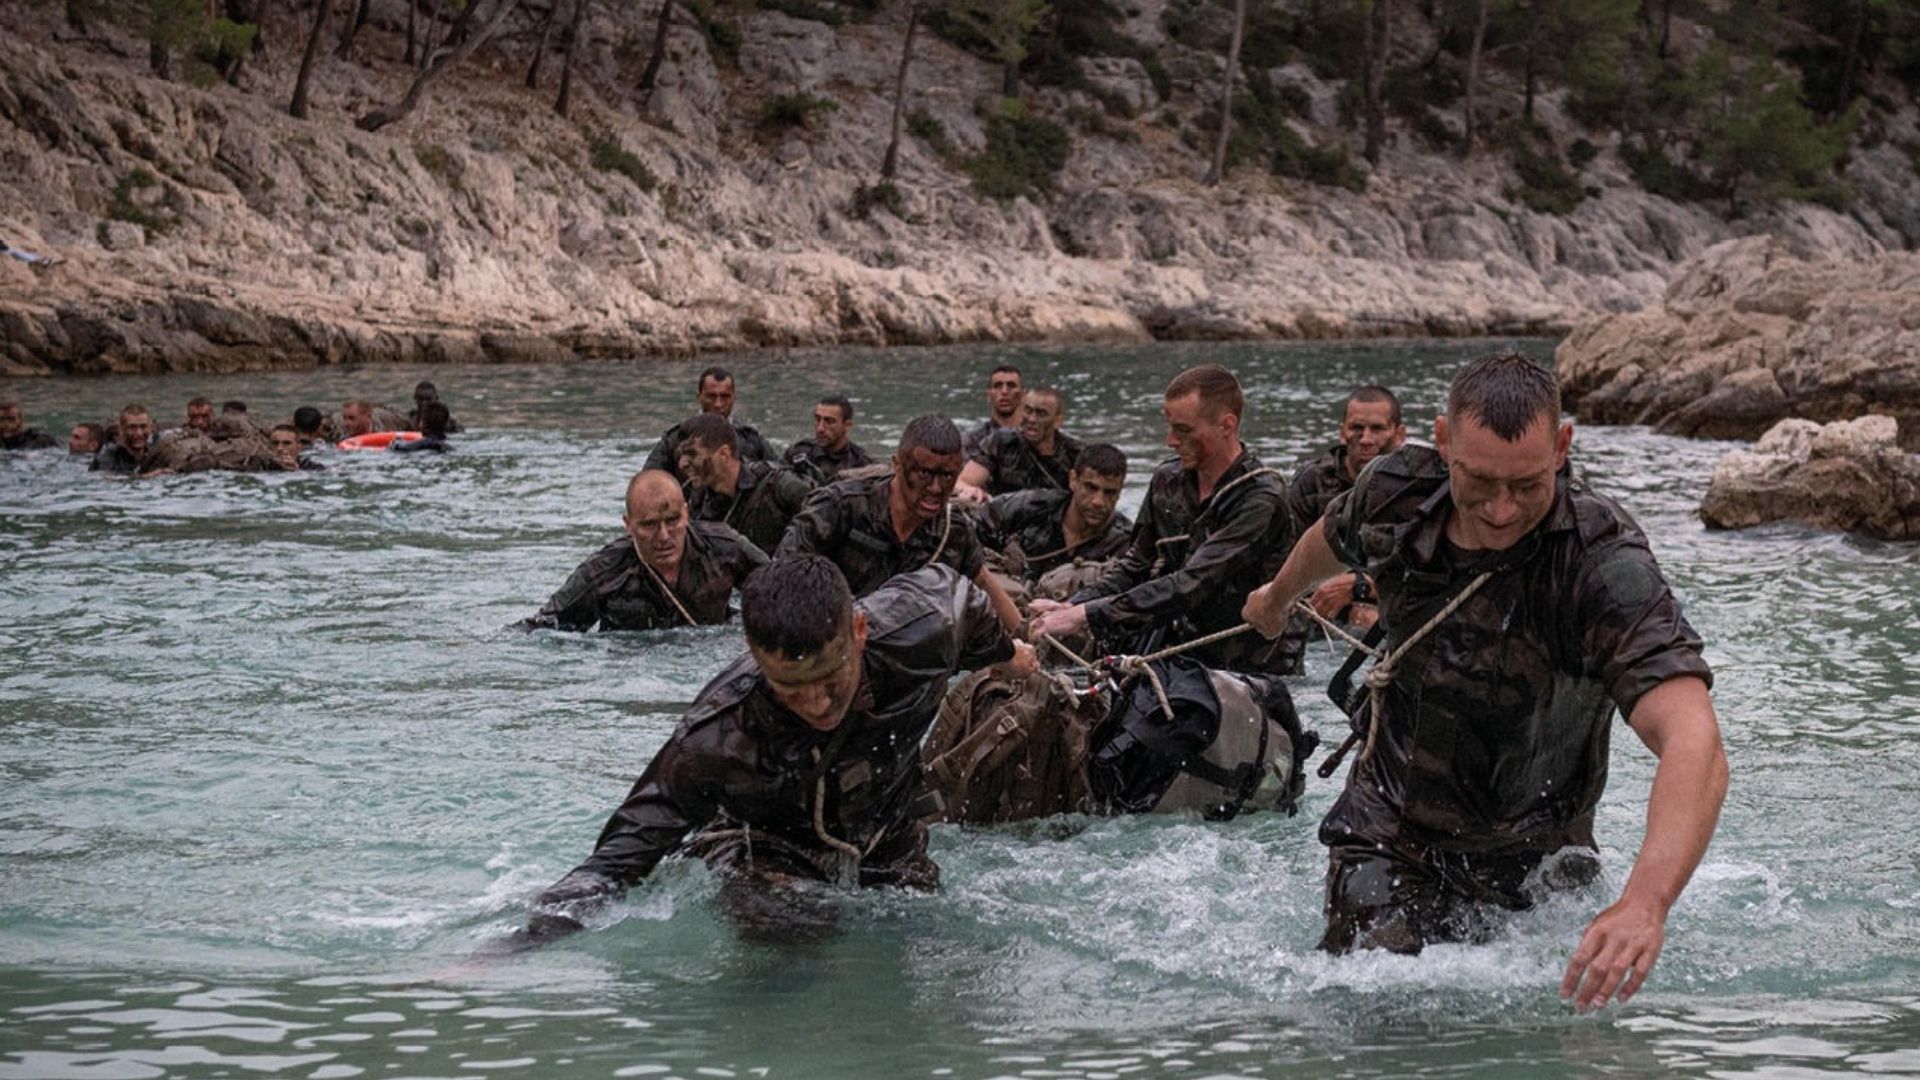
(1031, 521)
(30, 439)
(1492, 753)
(849, 522)
(1191, 563)
(666, 453)
(753, 774)
(1314, 487)
(1013, 464)
(615, 590)
(820, 465)
(764, 501)
(454, 427)
(977, 435)
(115, 458)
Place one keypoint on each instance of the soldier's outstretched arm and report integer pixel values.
(1003, 604)
(1676, 721)
(1310, 562)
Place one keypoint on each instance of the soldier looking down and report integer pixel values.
(1050, 528)
(757, 498)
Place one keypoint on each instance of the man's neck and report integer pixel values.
(1210, 471)
(1075, 529)
(729, 482)
(901, 514)
(1044, 446)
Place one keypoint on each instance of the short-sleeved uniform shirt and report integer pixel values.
(849, 522)
(1032, 520)
(1497, 724)
(764, 500)
(614, 590)
(1013, 464)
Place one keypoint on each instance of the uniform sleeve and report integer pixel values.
(792, 489)
(576, 606)
(996, 520)
(1632, 630)
(1229, 558)
(1133, 566)
(982, 640)
(964, 551)
(818, 529)
(669, 800)
(662, 456)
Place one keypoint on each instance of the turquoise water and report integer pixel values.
(271, 773)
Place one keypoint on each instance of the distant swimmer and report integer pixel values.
(1037, 454)
(1042, 528)
(714, 394)
(663, 573)
(832, 450)
(886, 525)
(16, 435)
(307, 424)
(424, 393)
(1004, 394)
(1528, 609)
(86, 440)
(800, 761)
(1213, 520)
(757, 498)
(199, 416)
(1370, 425)
(286, 450)
(434, 418)
(360, 417)
(131, 446)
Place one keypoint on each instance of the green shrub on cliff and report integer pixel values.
(788, 111)
(1022, 155)
(608, 155)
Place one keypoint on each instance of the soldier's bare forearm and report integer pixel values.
(1003, 604)
(1677, 722)
(1310, 562)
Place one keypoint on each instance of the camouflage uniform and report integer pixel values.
(849, 522)
(1032, 520)
(614, 590)
(1014, 465)
(114, 458)
(665, 455)
(1493, 751)
(976, 436)
(820, 465)
(765, 499)
(1314, 487)
(30, 439)
(742, 766)
(1214, 549)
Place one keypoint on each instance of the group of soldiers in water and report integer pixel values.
(133, 445)
(1509, 609)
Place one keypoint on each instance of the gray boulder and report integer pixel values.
(1848, 476)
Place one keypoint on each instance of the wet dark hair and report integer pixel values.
(1008, 369)
(1373, 395)
(1052, 392)
(423, 384)
(933, 433)
(716, 373)
(1505, 392)
(839, 401)
(434, 418)
(208, 402)
(796, 606)
(1219, 391)
(278, 428)
(98, 432)
(711, 431)
(1103, 458)
(233, 407)
(307, 420)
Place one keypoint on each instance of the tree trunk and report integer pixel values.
(1666, 26)
(1470, 113)
(890, 163)
(1379, 48)
(388, 114)
(352, 27)
(159, 57)
(299, 106)
(76, 17)
(652, 72)
(1535, 23)
(429, 44)
(540, 47)
(1850, 58)
(413, 10)
(575, 32)
(1217, 170)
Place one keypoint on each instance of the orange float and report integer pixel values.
(376, 440)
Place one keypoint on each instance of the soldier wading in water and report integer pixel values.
(800, 762)
(1485, 735)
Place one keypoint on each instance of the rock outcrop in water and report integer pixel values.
(1749, 333)
(204, 229)
(1850, 475)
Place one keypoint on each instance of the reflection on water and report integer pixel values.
(271, 770)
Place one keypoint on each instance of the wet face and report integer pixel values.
(819, 689)
(1039, 417)
(830, 429)
(82, 440)
(200, 417)
(1093, 496)
(1195, 437)
(926, 479)
(704, 466)
(355, 419)
(286, 447)
(1501, 489)
(12, 422)
(1369, 431)
(656, 520)
(716, 396)
(135, 431)
(424, 394)
(1004, 393)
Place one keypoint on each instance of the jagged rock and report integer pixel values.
(1750, 333)
(1124, 78)
(1850, 475)
(122, 236)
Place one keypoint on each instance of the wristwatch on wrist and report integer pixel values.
(1362, 589)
